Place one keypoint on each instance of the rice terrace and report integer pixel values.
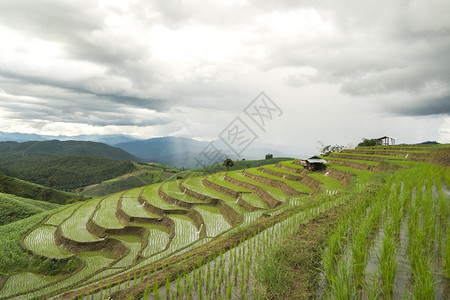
(374, 224)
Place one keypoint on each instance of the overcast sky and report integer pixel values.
(338, 70)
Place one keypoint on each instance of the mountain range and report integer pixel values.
(173, 151)
(109, 139)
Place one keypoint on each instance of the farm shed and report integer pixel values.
(315, 163)
(386, 141)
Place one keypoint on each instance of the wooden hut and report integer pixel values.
(315, 163)
(386, 141)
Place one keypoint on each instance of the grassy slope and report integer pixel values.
(145, 174)
(13, 208)
(21, 188)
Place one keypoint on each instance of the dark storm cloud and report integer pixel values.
(373, 48)
(425, 107)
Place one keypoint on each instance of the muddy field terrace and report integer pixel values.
(373, 224)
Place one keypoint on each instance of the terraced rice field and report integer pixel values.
(105, 216)
(151, 196)
(74, 227)
(42, 241)
(132, 207)
(195, 245)
(214, 221)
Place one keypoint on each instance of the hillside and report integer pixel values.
(25, 189)
(268, 231)
(145, 174)
(11, 151)
(67, 172)
(13, 208)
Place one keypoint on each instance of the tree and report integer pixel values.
(269, 156)
(326, 150)
(228, 163)
(368, 142)
(51, 181)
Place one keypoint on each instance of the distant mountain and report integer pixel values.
(172, 151)
(14, 150)
(182, 152)
(20, 137)
(109, 139)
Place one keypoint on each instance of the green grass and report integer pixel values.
(14, 208)
(42, 242)
(75, 227)
(105, 216)
(25, 189)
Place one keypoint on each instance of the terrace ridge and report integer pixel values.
(266, 197)
(287, 189)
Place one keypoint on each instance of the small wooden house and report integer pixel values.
(386, 141)
(315, 163)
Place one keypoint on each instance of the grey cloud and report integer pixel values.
(375, 49)
(424, 107)
(51, 18)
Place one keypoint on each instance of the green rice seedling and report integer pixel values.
(167, 286)
(423, 279)
(156, 291)
(341, 286)
(359, 252)
(42, 241)
(229, 291)
(372, 291)
(447, 256)
(178, 286)
(146, 293)
(387, 261)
